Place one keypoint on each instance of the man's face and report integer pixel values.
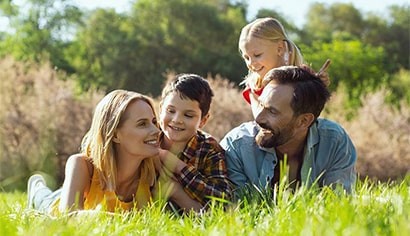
(275, 116)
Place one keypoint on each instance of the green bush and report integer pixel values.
(43, 119)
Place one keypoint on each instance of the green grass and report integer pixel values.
(374, 209)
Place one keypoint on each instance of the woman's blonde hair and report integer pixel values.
(98, 143)
(270, 29)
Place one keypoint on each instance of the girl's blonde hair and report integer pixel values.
(270, 29)
(98, 144)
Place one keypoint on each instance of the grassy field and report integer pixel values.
(374, 209)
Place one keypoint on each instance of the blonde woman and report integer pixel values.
(115, 170)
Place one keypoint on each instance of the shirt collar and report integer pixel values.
(313, 136)
(189, 148)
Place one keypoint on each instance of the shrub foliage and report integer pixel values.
(43, 119)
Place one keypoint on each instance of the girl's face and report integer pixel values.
(261, 55)
(180, 118)
(138, 134)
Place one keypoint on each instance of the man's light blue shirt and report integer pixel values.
(329, 156)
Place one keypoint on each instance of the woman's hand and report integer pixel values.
(171, 162)
(183, 200)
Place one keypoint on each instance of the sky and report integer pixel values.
(294, 10)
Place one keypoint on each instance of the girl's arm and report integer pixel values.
(76, 183)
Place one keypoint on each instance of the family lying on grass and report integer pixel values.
(129, 159)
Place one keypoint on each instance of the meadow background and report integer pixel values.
(58, 60)
(43, 119)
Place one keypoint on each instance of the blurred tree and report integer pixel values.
(103, 55)
(158, 36)
(399, 87)
(290, 27)
(41, 27)
(400, 32)
(344, 20)
(324, 21)
(188, 36)
(393, 34)
(8, 9)
(356, 66)
(135, 50)
(366, 51)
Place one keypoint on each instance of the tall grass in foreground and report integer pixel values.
(374, 209)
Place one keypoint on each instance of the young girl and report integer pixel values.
(115, 169)
(264, 45)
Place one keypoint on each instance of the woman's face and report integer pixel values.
(138, 134)
(260, 55)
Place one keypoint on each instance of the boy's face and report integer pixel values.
(180, 118)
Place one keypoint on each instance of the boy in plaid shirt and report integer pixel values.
(192, 158)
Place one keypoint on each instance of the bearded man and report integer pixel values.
(286, 126)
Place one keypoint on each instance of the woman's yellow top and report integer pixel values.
(97, 198)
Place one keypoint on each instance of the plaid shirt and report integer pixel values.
(205, 174)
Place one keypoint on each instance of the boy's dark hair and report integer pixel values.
(193, 87)
(310, 93)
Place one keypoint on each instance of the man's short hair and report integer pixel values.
(310, 93)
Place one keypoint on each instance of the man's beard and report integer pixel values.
(265, 138)
(270, 138)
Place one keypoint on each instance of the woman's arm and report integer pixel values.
(181, 198)
(76, 183)
(169, 188)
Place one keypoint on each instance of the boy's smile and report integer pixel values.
(180, 118)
